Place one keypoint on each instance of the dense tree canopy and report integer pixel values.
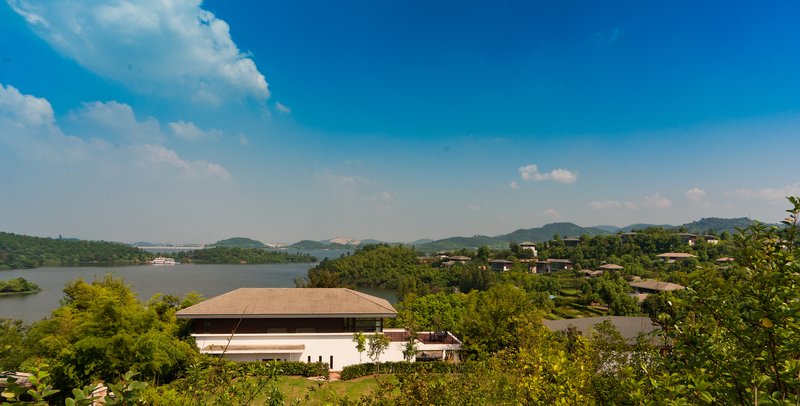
(21, 251)
(234, 255)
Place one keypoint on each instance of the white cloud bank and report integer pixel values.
(189, 131)
(772, 195)
(355, 188)
(531, 172)
(110, 133)
(696, 195)
(168, 47)
(657, 201)
(653, 201)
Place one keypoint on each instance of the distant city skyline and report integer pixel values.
(188, 121)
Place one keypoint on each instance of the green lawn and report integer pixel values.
(324, 392)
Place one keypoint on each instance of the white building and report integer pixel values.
(527, 245)
(309, 325)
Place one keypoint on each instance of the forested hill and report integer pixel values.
(318, 245)
(232, 255)
(22, 251)
(718, 225)
(239, 242)
(547, 232)
(537, 234)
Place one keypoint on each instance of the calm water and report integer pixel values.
(147, 280)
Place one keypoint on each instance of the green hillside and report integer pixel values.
(717, 225)
(547, 232)
(239, 242)
(317, 245)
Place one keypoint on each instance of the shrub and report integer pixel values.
(437, 367)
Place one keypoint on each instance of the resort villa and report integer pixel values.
(309, 325)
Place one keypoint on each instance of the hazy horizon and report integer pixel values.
(191, 121)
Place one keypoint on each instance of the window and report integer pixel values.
(364, 325)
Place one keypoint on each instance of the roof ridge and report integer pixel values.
(370, 298)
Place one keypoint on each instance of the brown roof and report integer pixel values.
(676, 255)
(656, 285)
(290, 302)
(559, 261)
(611, 266)
(459, 258)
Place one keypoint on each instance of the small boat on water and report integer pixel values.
(163, 261)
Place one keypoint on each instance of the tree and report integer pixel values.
(735, 339)
(410, 347)
(378, 344)
(361, 343)
(102, 331)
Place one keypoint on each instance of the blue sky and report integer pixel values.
(280, 121)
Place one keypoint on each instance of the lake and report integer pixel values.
(147, 280)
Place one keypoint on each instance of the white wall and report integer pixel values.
(340, 345)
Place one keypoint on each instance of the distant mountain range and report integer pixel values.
(537, 234)
(546, 232)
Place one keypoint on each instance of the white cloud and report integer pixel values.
(608, 204)
(696, 195)
(24, 110)
(613, 204)
(103, 120)
(513, 185)
(169, 47)
(159, 155)
(606, 38)
(282, 108)
(657, 201)
(531, 172)
(189, 131)
(553, 213)
(772, 195)
(27, 125)
(355, 188)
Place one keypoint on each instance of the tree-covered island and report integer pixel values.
(233, 255)
(17, 285)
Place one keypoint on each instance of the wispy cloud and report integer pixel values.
(531, 172)
(108, 132)
(189, 131)
(657, 201)
(696, 195)
(513, 185)
(173, 48)
(282, 108)
(603, 205)
(113, 119)
(552, 213)
(354, 187)
(606, 38)
(772, 195)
